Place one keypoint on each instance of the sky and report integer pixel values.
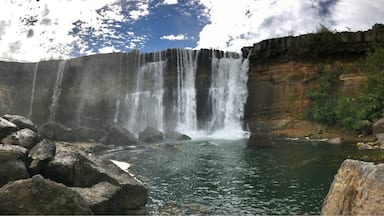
(33, 30)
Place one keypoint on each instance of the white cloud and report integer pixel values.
(170, 2)
(174, 37)
(109, 49)
(250, 21)
(49, 36)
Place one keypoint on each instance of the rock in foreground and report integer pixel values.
(41, 196)
(357, 189)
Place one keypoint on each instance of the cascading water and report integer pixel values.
(228, 92)
(57, 90)
(186, 92)
(33, 89)
(145, 103)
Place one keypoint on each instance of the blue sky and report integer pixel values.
(32, 30)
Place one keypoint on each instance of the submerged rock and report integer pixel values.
(151, 134)
(260, 140)
(335, 141)
(41, 196)
(176, 136)
(357, 189)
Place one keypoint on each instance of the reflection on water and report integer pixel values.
(226, 177)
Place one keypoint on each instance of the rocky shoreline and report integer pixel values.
(41, 175)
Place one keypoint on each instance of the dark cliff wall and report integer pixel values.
(281, 70)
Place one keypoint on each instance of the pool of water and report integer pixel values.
(227, 177)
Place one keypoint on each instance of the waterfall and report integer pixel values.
(228, 92)
(145, 102)
(186, 93)
(57, 90)
(33, 89)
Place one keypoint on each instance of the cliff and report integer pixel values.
(282, 69)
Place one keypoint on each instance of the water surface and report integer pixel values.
(227, 177)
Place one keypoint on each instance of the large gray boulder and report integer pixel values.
(40, 155)
(12, 152)
(121, 136)
(357, 189)
(25, 137)
(151, 134)
(42, 197)
(21, 122)
(6, 128)
(75, 165)
(378, 127)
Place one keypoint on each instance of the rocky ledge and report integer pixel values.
(357, 189)
(46, 176)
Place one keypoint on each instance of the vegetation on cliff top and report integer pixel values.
(332, 106)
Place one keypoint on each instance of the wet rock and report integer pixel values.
(41, 196)
(150, 134)
(6, 128)
(357, 189)
(335, 141)
(76, 166)
(260, 140)
(11, 170)
(54, 131)
(21, 122)
(378, 126)
(119, 135)
(176, 136)
(40, 155)
(25, 137)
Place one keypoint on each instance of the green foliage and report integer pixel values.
(331, 106)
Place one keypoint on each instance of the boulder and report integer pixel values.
(150, 134)
(106, 198)
(83, 134)
(6, 128)
(75, 165)
(176, 136)
(119, 135)
(54, 131)
(11, 170)
(380, 138)
(378, 126)
(12, 152)
(335, 141)
(39, 196)
(21, 122)
(40, 155)
(24, 137)
(260, 140)
(357, 189)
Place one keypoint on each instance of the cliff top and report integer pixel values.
(323, 43)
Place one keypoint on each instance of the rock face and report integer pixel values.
(41, 196)
(151, 134)
(357, 189)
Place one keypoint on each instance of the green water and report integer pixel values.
(226, 177)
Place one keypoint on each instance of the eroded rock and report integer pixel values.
(41, 196)
(357, 189)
